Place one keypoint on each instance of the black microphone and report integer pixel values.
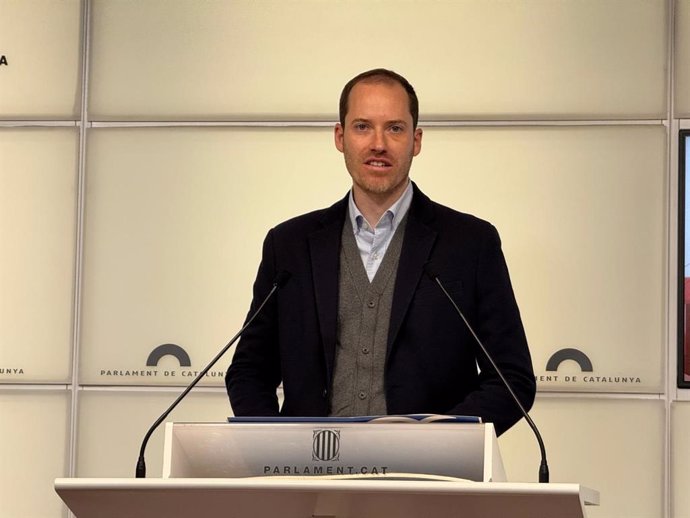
(543, 467)
(281, 278)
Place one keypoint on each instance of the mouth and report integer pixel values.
(378, 163)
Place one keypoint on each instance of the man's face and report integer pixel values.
(378, 140)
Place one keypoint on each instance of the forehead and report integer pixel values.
(369, 99)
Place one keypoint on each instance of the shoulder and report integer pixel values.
(310, 221)
(454, 221)
(448, 221)
(305, 224)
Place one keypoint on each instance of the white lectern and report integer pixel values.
(379, 449)
(326, 470)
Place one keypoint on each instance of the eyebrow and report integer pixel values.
(394, 121)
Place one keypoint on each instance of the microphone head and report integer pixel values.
(282, 278)
(429, 270)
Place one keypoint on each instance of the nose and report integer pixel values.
(378, 143)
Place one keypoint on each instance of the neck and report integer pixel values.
(371, 206)
(374, 205)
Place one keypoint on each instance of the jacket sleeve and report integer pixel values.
(254, 374)
(496, 320)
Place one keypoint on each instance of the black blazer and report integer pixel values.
(431, 360)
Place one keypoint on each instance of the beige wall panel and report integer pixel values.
(113, 424)
(581, 213)
(682, 58)
(33, 448)
(41, 44)
(38, 175)
(175, 219)
(680, 459)
(615, 446)
(273, 59)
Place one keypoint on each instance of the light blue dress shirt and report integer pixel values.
(373, 242)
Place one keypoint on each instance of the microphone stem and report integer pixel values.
(141, 463)
(543, 468)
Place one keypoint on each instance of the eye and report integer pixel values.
(397, 128)
(360, 126)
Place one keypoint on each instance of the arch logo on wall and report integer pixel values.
(165, 363)
(168, 350)
(574, 368)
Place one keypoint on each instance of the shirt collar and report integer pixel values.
(395, 212)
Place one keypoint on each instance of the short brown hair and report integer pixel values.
(382, 75)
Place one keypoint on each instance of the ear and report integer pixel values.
(338, 136)
(417, 147)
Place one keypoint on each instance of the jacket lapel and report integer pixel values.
(417, 244)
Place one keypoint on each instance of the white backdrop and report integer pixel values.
(147, 146)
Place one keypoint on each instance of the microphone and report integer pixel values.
(543, 467)
(280, 280)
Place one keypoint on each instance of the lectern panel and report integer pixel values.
(377, 449)
(191, 498)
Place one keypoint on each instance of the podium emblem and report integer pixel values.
(326, 445)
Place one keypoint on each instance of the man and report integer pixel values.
(359, 329)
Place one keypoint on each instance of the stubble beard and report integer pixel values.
(377, 185)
